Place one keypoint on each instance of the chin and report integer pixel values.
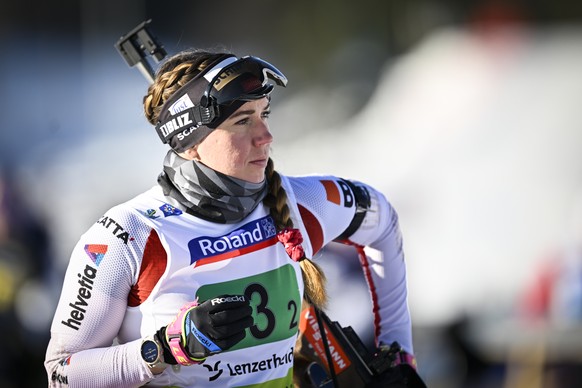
(255, 178)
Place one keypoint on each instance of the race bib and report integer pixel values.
(275, 299)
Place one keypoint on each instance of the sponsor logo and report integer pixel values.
(272, 362)
(166, 209)
(78, 307)
(170, 210)
(181, 104)
(334, 195)
(233, 243)
(205, 341)
(185, 133)
(310, 328)
(117, 230)
(215, 369)
(58, 378)
(176, 123)
(226, 77)
(96, 252)
(236, 298)
(151, 213)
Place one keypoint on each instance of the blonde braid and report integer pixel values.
(276, 200)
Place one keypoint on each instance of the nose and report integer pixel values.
(262, 134)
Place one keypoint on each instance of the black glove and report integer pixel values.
(395, 368)
(199, 331)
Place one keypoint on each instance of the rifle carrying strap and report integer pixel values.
(318, 315)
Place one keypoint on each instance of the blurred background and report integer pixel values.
(466, 114)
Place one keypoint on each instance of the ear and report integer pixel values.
(190, 154)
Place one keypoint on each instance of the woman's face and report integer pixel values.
(240, 146)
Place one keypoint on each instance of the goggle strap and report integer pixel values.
(216, 69)
(187, 118)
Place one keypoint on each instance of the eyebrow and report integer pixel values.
(248, 112)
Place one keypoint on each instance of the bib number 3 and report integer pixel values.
(276, 308)
(262, 309)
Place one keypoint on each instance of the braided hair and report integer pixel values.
(276, 201)
(175, 72)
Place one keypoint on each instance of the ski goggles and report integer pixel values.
(208, 99)
(243, 79)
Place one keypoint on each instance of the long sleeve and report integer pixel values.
(383, 263)
(328, 206)
(93, 302)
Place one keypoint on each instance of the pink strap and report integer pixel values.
(175, 336)
(404, 358)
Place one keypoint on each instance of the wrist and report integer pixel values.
(152, 354)
(175, 337)
(167, 353)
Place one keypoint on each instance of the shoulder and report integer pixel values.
(121, 235)
(143, 208)
(321, 188)
(131, 218)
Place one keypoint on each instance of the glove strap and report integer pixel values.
(175, 337)
(405, 358)
(399, 356)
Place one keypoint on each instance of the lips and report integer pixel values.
(259, 162)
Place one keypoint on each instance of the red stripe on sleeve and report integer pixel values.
(332, 192)
(374, 294)
(152, 268)
(313, 228)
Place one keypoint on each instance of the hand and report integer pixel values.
(397, 368)
(213, 326)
